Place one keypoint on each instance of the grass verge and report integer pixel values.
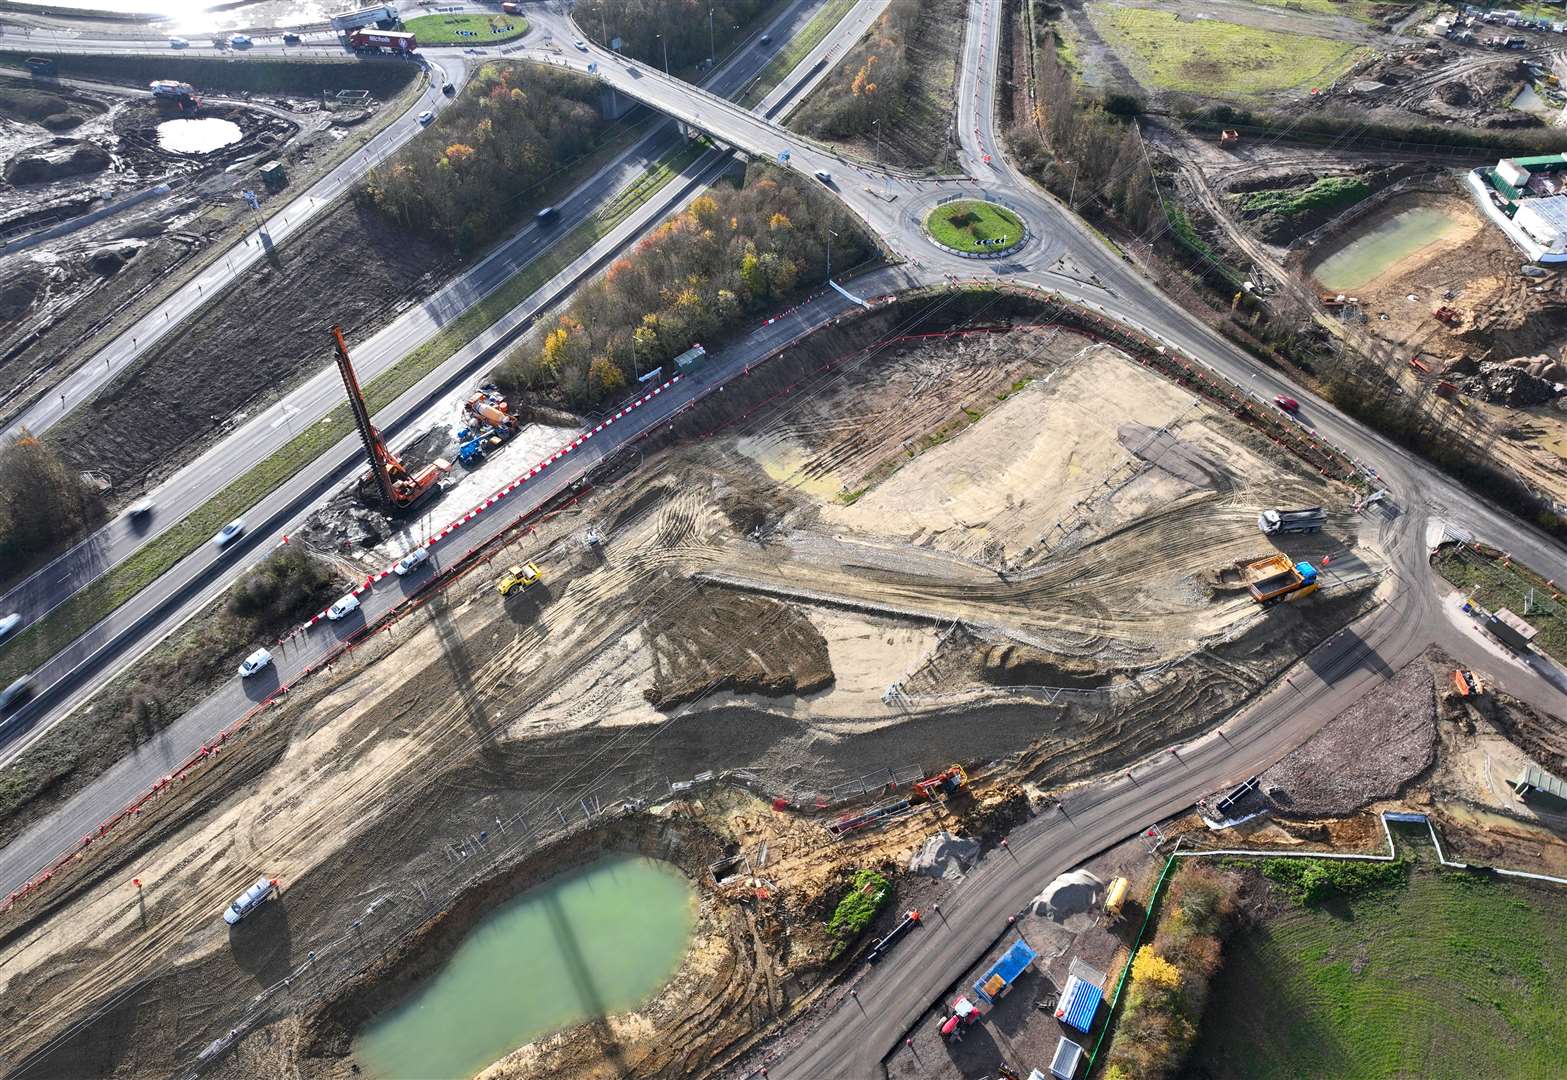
(46, 637)
(971, 225)
(1494, 585)
(796, 50)
(1455, 975)
(1201, 57)
(466, 29)
(161, 686)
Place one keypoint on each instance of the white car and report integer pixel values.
(229, 533)
(249, 900)
(346, 606)
(414, 559)
(139, 509)
(254, 663)
(426, 116)
(579, 43)
(9, 624)
(239, 41)
(14, 695)
(178, 43)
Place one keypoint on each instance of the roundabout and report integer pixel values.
(975, 227)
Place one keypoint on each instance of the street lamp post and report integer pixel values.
(831, 236)
(712, 49)
(665, 42)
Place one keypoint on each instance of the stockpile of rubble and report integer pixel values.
(1516, 383)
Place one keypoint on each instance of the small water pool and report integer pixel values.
(1369, 255)
(198, 136)
(596, 942)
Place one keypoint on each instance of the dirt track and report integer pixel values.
(371, 784)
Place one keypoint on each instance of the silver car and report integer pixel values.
(411, 561)
(229, 533)
(9, 624)
(13, 696)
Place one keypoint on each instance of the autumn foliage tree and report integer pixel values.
(646, 26)
(1171, 976)
(868, 88)
(482, 164)
(44, 504)
(732, 253)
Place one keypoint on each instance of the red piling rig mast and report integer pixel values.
(399, 490)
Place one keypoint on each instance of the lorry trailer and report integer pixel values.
(374, 41)
(1308, 520)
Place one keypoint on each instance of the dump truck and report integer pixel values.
(1275, 579)
(1307, 520)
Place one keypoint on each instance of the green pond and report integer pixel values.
(589, 944)
(1366, 257)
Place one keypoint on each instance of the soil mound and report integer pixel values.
(82, 159)
(1366, 753)
(1072, 893)
(1023, 665)
(723, 640)
(1503, 384)
(944, 856)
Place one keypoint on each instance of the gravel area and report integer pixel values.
(1367, 752)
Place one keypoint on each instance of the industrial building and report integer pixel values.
(1526, 197)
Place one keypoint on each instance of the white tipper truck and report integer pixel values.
(1309, 520)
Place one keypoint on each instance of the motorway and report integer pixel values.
(64, 679)
(852, 1040)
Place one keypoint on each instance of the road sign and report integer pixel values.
(250, 197)
(614, 43)
(783, 157)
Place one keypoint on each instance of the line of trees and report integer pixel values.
(1086, 150)
(485, 160)
(869, 84)
(646, 27)
(734, 252)
(44, 505)
(1171, 976)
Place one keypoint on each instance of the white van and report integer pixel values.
(249, 900)
(346, 606)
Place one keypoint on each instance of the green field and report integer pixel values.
(1364, 10)
(1496, 586)
(1219, 59)
(1452, 976)
(963, 224)
(466, 29)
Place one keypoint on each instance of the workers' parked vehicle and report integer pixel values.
(229, 533)
(9, 624)
(1308, 520)
(519, 577)
(254, 663)
(411, 561)
(15, 696)
(345, 606)
(249, 900)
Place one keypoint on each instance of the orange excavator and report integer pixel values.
(400, 489)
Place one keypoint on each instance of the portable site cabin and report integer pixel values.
(1004, 972)
(1079, 1003)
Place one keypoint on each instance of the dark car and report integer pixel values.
(291, 39)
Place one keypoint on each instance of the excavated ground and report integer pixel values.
(862, 533)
